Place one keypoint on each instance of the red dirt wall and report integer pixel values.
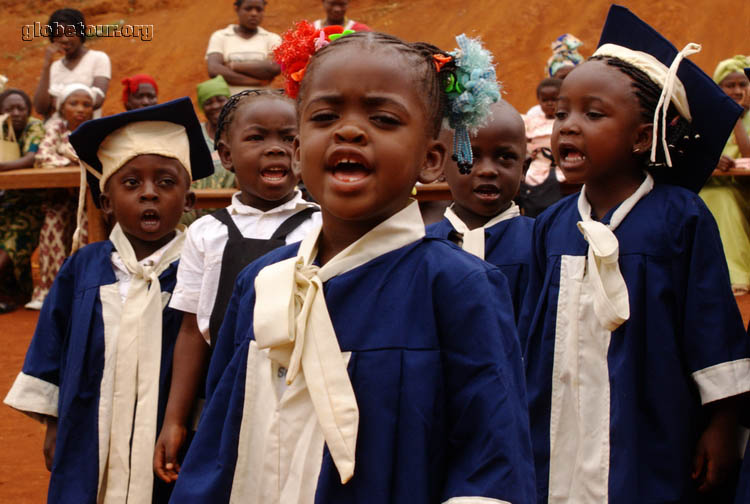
(519, 33)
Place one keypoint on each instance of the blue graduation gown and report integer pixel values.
(508, 246)
(683, 320)
(67, 350)
(436, 369)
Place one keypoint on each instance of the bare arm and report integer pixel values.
(188, 369)
(717, 452)
(216, 66)
(258, 69)
(25, 161)
(101, 83)
(743, 141)
(50, 438)
(43, 102)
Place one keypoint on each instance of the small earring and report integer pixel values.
(636, 150)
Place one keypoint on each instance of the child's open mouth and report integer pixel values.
(274, 174)
(349, 171)
(487, 192)
(570, 156)
(150, 220)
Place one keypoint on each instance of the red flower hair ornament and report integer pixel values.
(297, 47)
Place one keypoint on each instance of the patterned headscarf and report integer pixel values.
(731, 65)
(564, 53)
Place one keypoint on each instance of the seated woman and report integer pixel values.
(55, 151)
(241, 53)
(212, 95)
(20, 211)
(139, 91)
(79, 64)
(728, 198)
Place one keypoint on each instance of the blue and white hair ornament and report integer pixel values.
(471, 89)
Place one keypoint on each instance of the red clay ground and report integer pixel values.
(518, 32)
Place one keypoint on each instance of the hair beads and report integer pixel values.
(471, 90)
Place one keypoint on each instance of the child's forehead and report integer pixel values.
(365, 68)
(147, 162)
(265, 112)
(595, 75)
(261, 106)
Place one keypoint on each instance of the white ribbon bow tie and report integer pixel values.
(291, 319)
(136, 382)
(611, 301)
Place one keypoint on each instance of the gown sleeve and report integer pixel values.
(489, 445)
(716, 345)
(534, 292)
(36, 389)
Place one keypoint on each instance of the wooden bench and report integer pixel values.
(731, 173)
(69, 177)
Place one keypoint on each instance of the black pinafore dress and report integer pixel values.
(238, 253)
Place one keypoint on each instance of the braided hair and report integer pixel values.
(228, 111)
(679, 130)
(424, 69)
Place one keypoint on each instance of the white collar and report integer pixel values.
(584, 207)
(237, 207)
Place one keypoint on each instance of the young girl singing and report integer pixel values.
(636, 347)
(369, 363)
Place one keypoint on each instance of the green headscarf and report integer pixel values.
(731, 65)
(212, 87)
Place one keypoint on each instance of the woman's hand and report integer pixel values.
(50, 438)
(51, 51)
(171, 439)
(725, 163)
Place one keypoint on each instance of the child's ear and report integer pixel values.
(225, 154)
(189, 201)
(105, 204)
(296, 165)
(433, 163)
(643, 136)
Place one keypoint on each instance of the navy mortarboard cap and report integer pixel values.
(104, 145)
(169, 129)
(697, 98)
(747, 72)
